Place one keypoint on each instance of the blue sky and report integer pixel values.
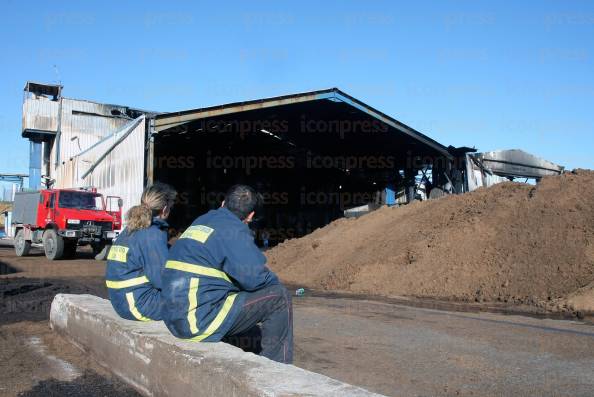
(489, 74)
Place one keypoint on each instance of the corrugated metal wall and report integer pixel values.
(84, 124)
(40, 113)
(120, 173)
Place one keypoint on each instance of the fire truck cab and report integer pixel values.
(62, 219)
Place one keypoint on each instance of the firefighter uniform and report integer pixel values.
(211, 269)
(133, 274)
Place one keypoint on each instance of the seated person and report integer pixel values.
(216, 283)
(135, 261)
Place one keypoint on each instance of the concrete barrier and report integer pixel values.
(149, 358)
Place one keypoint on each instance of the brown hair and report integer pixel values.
(154, 199)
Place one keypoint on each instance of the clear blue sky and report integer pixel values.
(490, 74)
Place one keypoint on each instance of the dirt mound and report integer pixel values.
(512, 242)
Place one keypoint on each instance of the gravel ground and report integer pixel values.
(384, 346)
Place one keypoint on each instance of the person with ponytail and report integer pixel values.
(135, 260)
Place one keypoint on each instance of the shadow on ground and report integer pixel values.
(30, 298)
(6, 246)
(5, 268)
(90, 384)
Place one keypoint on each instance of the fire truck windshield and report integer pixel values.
(80, 200)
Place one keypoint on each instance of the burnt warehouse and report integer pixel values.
(312, 156)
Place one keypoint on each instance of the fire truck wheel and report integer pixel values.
(53, 245)
(100, 251)
(21, 246)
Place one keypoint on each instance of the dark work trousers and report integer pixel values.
(271, 309)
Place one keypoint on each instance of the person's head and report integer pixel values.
(156, 201)
(243, 201)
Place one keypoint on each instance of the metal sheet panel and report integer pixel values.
(25, 208)
(40, 114)
(119, 173)
(84, 124)
(517, 163)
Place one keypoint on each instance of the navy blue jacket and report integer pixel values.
(133, 274)
(209, 267)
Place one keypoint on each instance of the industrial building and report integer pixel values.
(312, 155)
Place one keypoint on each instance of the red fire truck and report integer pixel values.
(62, 219)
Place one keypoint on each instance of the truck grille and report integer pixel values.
(104, 226)
(91, 227)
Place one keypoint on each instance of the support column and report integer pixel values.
(35, 165)
(409, 176)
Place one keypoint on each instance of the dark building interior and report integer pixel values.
(311, 156)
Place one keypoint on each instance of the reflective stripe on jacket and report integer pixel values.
(133, 274)
(208, 267)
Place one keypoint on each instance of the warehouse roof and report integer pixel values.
(166, 121)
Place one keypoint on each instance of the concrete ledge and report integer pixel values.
(149, 358)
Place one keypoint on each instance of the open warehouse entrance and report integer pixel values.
(311, 155)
